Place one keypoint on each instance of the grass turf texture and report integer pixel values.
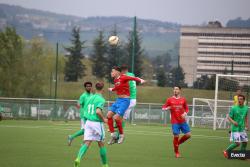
(44, 144)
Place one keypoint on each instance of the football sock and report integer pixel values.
(175, 143)
(119, 126)
(82, 151)
(111, 125)
(231, 147)
(123, 124)
(103, 154)
(78, 133)
(243, 146)
(183, 139)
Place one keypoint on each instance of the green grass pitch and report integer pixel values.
(44, 144)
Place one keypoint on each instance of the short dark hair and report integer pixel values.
(124, 67)
(87, 83)
(242, 96)
(178, 86)
(117, 68)
(99, 85)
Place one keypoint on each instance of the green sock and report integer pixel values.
(243, 146)
(232, 146)
(103, 154)
(82, 151)
(78, 133)
(123, 124)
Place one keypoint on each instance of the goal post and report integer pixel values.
(203, 113)
(229, 83)
(213, 113)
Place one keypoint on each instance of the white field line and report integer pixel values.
(129, 132)
(131, 127)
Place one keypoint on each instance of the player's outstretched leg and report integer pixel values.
(184, 138)
(76, 134)
(230, 148)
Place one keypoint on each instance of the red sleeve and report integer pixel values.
(166, 104)
(185, 106)
(129, 78)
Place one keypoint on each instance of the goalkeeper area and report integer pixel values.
(28, 143)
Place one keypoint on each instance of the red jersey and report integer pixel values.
(177, 107)
(122, 85)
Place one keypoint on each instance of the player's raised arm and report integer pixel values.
(137, 79)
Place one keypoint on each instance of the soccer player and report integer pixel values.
(132, 104)
(94, 127)
(238, 92)
(81, 103)
(121, 104)
(239, 123)
(132, 90)
(178, 109)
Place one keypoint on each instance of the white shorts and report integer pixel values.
(82, 123)
(94, 131)
(132, 104)
(238, 137)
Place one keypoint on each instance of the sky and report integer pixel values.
(187, 12)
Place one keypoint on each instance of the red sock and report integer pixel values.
(183, 139)
(119, 126)
(176, 145)
(111, 125)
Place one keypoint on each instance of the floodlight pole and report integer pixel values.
(55, 97)
(133, 47)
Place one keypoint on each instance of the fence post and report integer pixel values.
(38, 111)
(193, 112)
(149, 108)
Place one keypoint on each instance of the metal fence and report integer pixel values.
(146, 113)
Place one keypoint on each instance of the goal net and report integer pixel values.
(225, 89)
(213, 112)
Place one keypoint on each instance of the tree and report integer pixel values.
(202, 82)
(99, 57)
(74, 68)
(177, 77)
(205, 82)
(40, 58)
(11, 62)
(163, 60)
(161, 77)
(138, 52)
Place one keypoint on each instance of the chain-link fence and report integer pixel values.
(144, 113)
(51, 109)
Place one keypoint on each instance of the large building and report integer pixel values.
(213, 49)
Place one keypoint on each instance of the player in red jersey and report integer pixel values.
(178, 109)
(121, 104)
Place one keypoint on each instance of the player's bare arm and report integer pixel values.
(232, 121)
(166, 108)
(100, 114)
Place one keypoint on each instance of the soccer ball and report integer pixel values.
(113, 40)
